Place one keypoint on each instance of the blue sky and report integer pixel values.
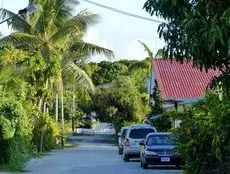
(115, 31)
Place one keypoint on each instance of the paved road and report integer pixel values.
(90, 158)
(93, 156)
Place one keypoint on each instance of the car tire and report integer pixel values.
(145, 165)
(120, 151)
(125, 158)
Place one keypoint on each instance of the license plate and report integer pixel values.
(165, 159)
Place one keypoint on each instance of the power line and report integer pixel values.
(123, 12)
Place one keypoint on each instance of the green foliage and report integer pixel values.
(198, 31)
(107, 72)
(121, 102)
(163, 123)
(157, 106)
(125, 99)
(47, 127)
(15, 131)
(39, 54)
(204, 136)
(195, 29)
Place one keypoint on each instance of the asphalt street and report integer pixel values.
(93, 156)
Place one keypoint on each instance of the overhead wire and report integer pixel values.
(123, 12)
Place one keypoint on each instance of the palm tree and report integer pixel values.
(159, 54)
(57, 34)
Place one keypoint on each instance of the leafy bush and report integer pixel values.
(204, 136)
(45, 132)
(163, 123)
(15, 132)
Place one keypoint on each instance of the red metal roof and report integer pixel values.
(178, 80)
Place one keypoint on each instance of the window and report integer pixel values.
(140, 133)
(123, 133)
(161, 140)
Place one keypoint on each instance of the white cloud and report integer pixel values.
(93, 37)
(134, 50)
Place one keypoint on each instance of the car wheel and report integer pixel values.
(125, 157)
(145, 165)
(120, 151)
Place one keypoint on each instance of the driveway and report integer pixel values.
(89, 158)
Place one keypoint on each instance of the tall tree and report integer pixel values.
(197, 30)
(57, 34)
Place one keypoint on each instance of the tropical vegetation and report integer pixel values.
(199, 31)
(40, 68)
(123, 99)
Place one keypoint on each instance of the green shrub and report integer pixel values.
(163, 123)
(46, 131)
(15, 132)
(204, 136)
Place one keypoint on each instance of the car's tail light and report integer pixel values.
(127, 142)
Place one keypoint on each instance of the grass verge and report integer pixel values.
(18, 163)
(16, 166)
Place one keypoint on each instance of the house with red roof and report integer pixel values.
(180, 82)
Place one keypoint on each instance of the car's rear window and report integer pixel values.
(161, 140)
(140, 133)
(124, 132)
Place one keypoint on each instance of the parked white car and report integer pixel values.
(121, 137)
(135, 134)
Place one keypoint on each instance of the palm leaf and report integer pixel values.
(91, 49)
(52, 14)
(49, 52)
(21, 40)
(74, 27)
(147, 49)
(160, 53)
(86, 18)
(65, 9)
(17, 23)
(72, 71)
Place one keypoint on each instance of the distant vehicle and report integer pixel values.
(157, 149)
(142, 125)
(121, 137)
(135, 134)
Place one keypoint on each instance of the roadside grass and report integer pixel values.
(16, 166)
(70, 145)
(19, 162)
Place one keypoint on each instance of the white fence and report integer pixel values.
(94, 131)
(101, 128)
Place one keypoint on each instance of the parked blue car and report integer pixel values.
(158, 149)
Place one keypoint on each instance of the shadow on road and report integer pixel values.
(162, 167)
(97, 139)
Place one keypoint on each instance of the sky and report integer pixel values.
(115, 31)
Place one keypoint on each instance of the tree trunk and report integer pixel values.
(56, 108)
(45, 110)
(41, 140)
(62, 118)
(40, 104)
(73, 110)
(62, 111)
